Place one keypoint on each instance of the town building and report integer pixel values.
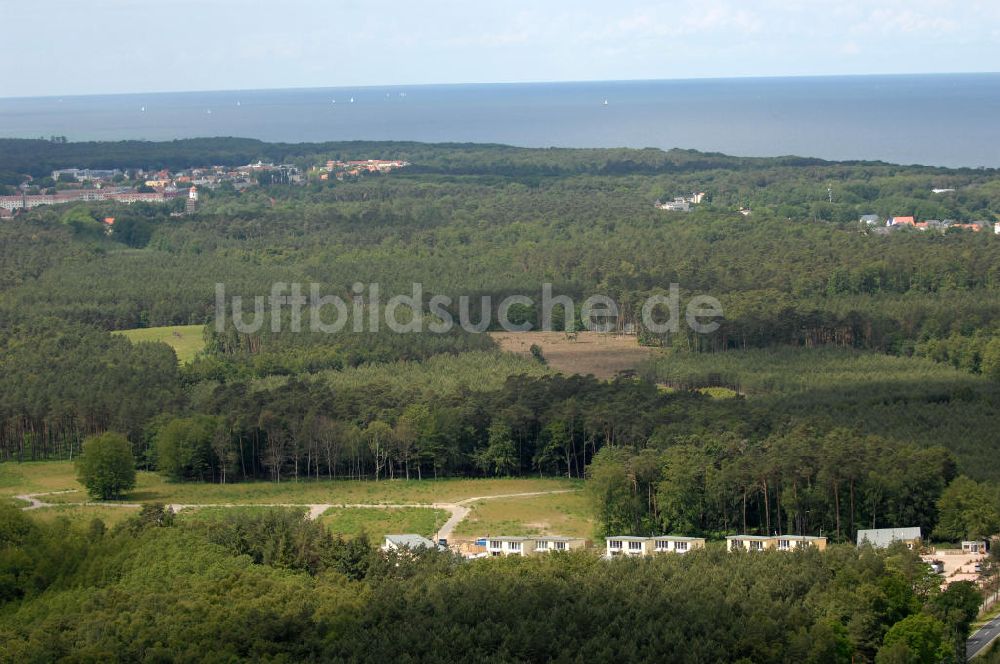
(681, 203)
(880, 538)
(86, 174)
(25, 201)
(191, 204)
(870, 219)
(676, 205)
(900, 221)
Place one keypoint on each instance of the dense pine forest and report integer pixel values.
(276, 586)
(802, 283)
(853, 382)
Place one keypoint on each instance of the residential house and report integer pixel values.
(677, 544)
(883, 537)
(931, 225)
(556, 543)
(510, 546)
(790, 542)
(775, 542)
(976, 546)
(901, 221)
(750, 542)
(624, 545)
(647, 546)
(870, 219)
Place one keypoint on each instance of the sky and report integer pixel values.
(65, 47)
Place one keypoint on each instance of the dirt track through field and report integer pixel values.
(457, 511)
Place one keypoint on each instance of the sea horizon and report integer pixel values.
(932, 119)
(456, 84)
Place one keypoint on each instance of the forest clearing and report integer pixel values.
(603, 355)
(346, 507)
(186, 340)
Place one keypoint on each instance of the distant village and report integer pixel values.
(878, 226)
(72, 185)
(872, 223)
(343, 169)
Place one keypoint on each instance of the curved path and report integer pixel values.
(457, 511)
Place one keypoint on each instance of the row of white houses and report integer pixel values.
(527, 546)
(628, 545)
(647, 546)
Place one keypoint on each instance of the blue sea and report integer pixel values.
(945, 120)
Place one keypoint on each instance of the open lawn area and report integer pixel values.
(208, 514)
(557, 514)
(111, 516)
(379, 522)
(186, 340)
(44, 476)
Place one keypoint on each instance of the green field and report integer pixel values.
(376, 523)
(209, 514)
(45, 476)
(349, 522)
(186, 340)
(557, 514)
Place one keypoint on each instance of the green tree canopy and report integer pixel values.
(106, 466)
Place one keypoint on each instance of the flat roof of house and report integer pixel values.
(750, 537)
(556, 538)
(509, 538)
(628, 538)
(801, 538)
(411, 541)
(678, 538)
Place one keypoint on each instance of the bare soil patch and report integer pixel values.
(603, 355)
